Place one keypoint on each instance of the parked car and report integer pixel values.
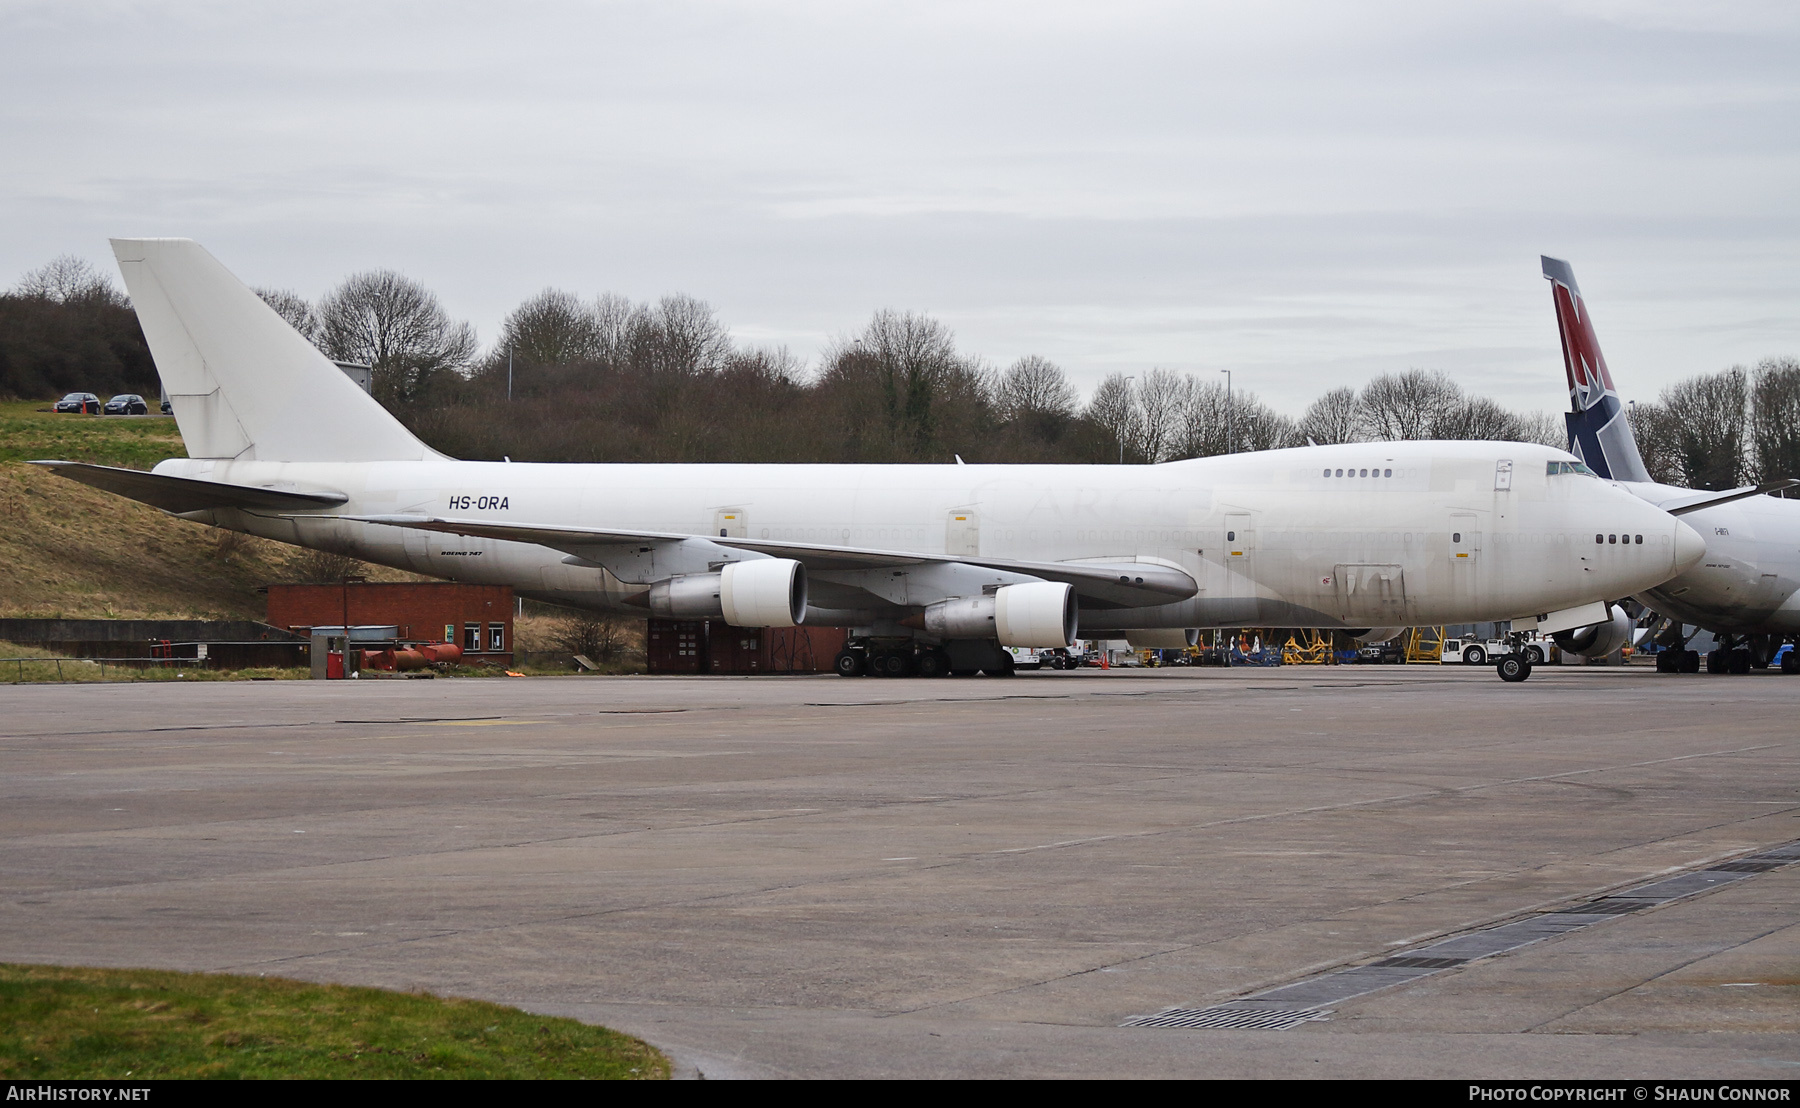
(85, 403)
(126, 403)
(168, 408)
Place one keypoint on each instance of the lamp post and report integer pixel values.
(509, 357)
(1230, 428)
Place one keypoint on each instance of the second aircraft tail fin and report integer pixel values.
(1599, 433)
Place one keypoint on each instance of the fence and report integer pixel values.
(18, 666)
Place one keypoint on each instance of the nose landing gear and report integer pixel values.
(1513, 667)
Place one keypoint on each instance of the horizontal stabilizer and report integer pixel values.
(1108, 584)
(1686, 504)
(184, 494)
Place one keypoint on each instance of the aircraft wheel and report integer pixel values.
(891, 663)
(1738, 661)
(1690, 661)
(1791, 662)
(933, 663)
(1715, 661)
(1004, 669)
(850, 663)
(1474, 656)
(1667, 661)
(1513, 668)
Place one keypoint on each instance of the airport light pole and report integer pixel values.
(1230, 428)
(509, 356)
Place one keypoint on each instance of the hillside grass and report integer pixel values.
(74, 552)
(63, 1022)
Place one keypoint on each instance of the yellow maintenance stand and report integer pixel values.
(1425, 646)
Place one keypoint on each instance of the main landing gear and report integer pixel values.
(890, 658)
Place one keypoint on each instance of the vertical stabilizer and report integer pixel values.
(1599, 433)
(242, 382)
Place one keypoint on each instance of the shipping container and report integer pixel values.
(714, 646)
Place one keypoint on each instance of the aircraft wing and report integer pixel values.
(1120, 584)
(185, 494)
(1683, 505)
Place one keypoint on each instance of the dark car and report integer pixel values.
(167, 408)
(127, 403)
(83, 402)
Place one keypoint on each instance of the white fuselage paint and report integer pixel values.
(1268, 537)
(1749, 581)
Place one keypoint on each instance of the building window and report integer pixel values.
(471, 638)
(497, 637)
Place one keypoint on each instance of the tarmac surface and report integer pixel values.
(820, 877)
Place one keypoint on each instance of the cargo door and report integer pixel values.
(1372, 592)
(729, 523)
(962, 534)
(1240, 553)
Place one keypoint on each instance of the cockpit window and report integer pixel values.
(1554, 468)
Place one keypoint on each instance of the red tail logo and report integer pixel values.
(1589, 378)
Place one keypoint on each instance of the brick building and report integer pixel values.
(478, 618)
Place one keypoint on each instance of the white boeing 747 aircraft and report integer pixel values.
(932, 567)
(1747, 589)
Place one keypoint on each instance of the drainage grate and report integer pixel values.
(1606, 907)
(1225, 1016)
(1298, 1002)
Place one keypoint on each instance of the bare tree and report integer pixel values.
(68, 279)
(1332, 418)
(1707, 419)
(294, 308)
(1653, 428)
(1475, 417)
(1542, 428)
(396, 326)
(1411, 405)
(325, 564)
(552, 328)
(1163, 402)
(1034, 388)
(1775, 419)
(1114, 408)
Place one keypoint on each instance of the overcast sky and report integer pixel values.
(1305, 194)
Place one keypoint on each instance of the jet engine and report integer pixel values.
(1040, 613)
(1600, 639)
(1372, 635)
(766, 592)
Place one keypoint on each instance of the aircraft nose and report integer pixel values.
(1689, 547)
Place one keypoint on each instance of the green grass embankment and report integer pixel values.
(82, 1023)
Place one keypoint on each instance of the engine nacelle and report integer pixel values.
(690, 596)
(1038, 614)
(765, 592)
(1375, 634)
(966, 617)
(1161, 638)
(1600, 639)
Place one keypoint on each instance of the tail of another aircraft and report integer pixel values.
(242, 382)
(1599, 433)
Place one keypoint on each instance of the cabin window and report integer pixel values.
(1612, 539)
(1456, 536)
(1340, 473)
(1328, 473)
(1231, 536)
(1640, 540)
(1365, 473)
(1387, 473)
